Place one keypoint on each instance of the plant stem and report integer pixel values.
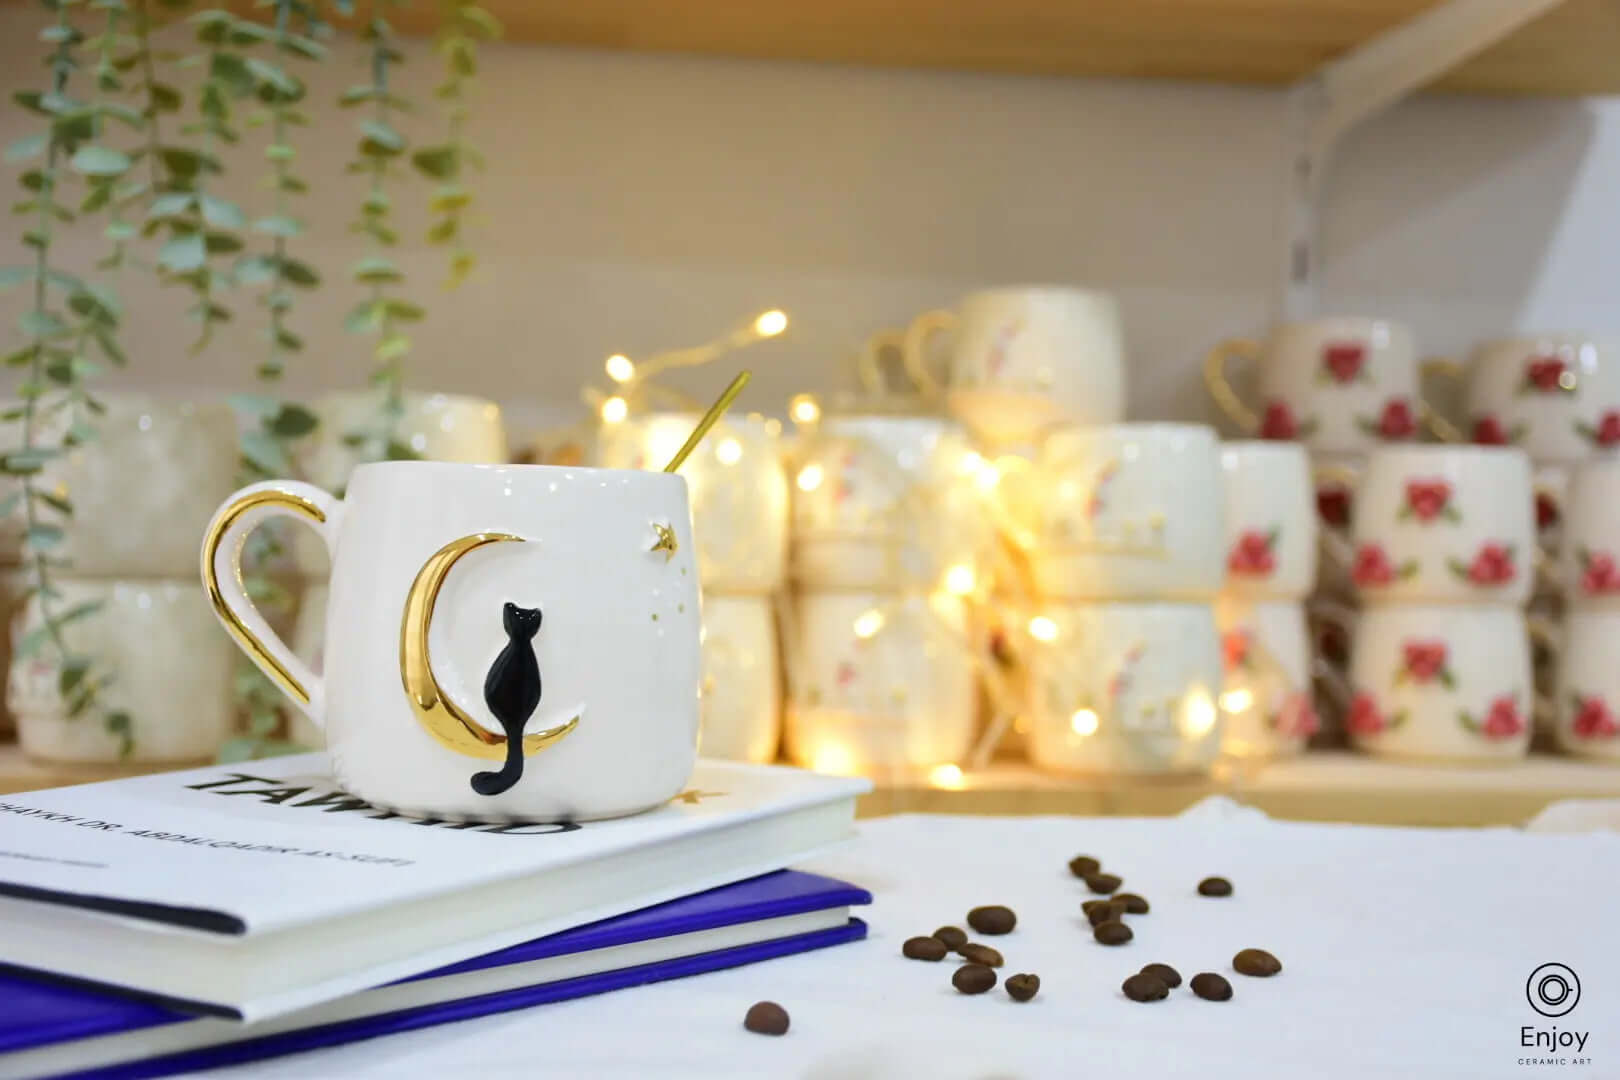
(143, 34)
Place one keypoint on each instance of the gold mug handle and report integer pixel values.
(1544, 632)
(1440, 367)
(914, 350)
(869, 367)
(1247, 349)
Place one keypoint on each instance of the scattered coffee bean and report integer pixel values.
(1082, 866)
(1214, 886)
(1023, 987)
(1211, 987)
(1112, 932)
(973, 978)
(974, 953)
(924, 948)
(766, 1018)
(1103, 883)
(1144, 987)
(1088, 906)
(1108, 909)
(992, 919)
(1256, 962)
(1164, 973)
(1134, 904)
(954, 937)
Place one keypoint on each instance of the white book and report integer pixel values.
(256, 889)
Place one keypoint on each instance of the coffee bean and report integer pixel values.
(1108, 909)
(974, 953)
(923, 948)
(1214, 886)
(973, 978)
(1102, 883)
(1211, 987)
(1023, 987)
(1256, 962)
(1143, 987)
(1112, 932)
(1134, 904)
(992, 919)
(1088, 906)
(1084, 866)
(1164, 973)
(954, 937)
(766, 1018)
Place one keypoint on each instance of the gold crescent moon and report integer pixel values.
(437, 714)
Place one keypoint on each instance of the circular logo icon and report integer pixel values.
(1553, 990)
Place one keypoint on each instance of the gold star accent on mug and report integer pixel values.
(692, 796)
(666, 541)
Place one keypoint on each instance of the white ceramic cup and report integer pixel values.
(1023, 359)
(1128, 512)
(1441, 682)
(1124, 688)
(309, 645)
(1589, 563)
(168, 664)
(1340, 384)
(741, 690)
(1270, 520)
(878, 682)
(1555, 396)
(739, 492)
(1266, 695)
(1587, 700)
(885, 502)
(1442, 524)
(450, 585)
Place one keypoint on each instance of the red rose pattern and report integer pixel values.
(1427, 500)
(1342, 360)
(1599, 574)
(1547, 514)
(1333, 506)
(1252, 555)
(1397, 421)
(1364, 717)
(1296, 718)
(1279, 422)
(1424, 661)
(1502, 719)
(1593, 719)
(1544, 374)
(1607, 431)
(1372, 567)
(1234, 649)
(1488, 431)
(1492, 565)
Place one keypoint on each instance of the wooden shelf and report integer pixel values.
(1571, 50)
(21, 773)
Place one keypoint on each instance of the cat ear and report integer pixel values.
(511, 618)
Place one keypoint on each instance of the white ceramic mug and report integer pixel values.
(1589, 563)
(1441, 682)
(1270, 520)
(169, 694)
(1587, 700)
(503, 642)
(1555, 396)
(1129, 512)
(1442, 523)
(739, 492)
(878, 682)
(741, 692)
(1124, 688)
(1022, 359)
(309, 645)
(1340, 385)
(885, 502)
(1266, 695)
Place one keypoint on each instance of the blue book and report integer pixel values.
(58, 1029)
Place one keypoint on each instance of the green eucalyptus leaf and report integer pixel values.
(299, 273)
(163, 98)
(383, 135)
(119, 231)
(221, 213)
(403, 310)
(222, 243)
(110, 349)
(444, 230)
(375, 270)
(124, 113)
(398, 451)
(291, 184)
(437, 162)
(293, 421)
(42, 536)
(254, 270)
(184, 162)
(462, 56)
(477, 20)
(100, 195)
(171, 205)
(356, 95)
(41, 325)
(276, 78)
(278, 225)
(308, 48)
(254, 405)
(364, 317)
(100, 161)
(448, 198)
(26, 147)
(60, 34)
(280, 152)
(184, 253)
(265, 453)
(286, 339)
(392, 347)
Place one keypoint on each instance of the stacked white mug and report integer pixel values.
(127, 598)
(739, 498)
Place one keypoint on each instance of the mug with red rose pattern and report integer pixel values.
(1340, 385)
(1587, 702)
(1556, 396)
(1270, 522)
(1442, 524)
(1589, 562)
(1440, 682)
(1266, 694)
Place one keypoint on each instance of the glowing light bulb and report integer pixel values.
(1043, 629)
(614, 409)
(729, 451)
(771, 323)
(1198, 718)
(1083, 722)
(804, 409)
(972, 462)
(946, 776)
(619, 368)
(1236, 700)
(811, 476)
(960, 580)
(868, 622)
(832, 758)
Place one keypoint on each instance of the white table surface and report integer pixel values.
(1405, 953)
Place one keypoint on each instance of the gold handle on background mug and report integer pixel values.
(1440, 367)
(1221, 390)
(914, 350)
(1545, 633)
(869, 367)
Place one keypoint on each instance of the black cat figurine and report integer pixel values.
(512, 692)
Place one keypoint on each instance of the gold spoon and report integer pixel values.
(710, 418)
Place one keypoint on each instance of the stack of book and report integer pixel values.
(173, 922)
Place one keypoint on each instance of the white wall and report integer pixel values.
(639, 202)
